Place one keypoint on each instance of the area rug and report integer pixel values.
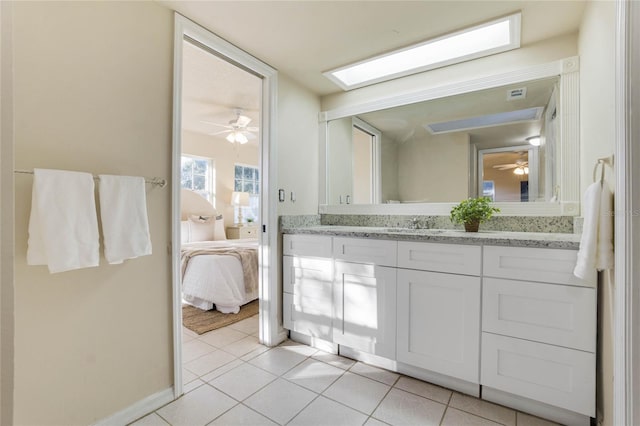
(200, 321)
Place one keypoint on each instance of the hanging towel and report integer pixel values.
(63, 225)
(123, 210)
(596, 243)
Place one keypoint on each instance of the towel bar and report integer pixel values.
(153, 181)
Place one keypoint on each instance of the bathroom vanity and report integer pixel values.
(498, 315)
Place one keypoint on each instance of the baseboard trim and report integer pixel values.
(536, 408)
(139, 409)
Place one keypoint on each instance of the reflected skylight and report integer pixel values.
(489, 120)
(482, 40)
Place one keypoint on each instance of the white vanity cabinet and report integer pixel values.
(439, 313)
(364, 295)
(538, 329)
(308, 285)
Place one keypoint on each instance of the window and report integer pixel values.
(198, 175)
(247, 179)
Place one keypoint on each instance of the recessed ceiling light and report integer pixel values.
(534, 140)
(492, 37)
(489, 120)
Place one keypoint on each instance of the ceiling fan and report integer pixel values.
(520, 167)
(238, 129)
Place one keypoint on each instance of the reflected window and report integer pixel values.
(247, 179)
(198, 175)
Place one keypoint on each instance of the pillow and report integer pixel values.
(219, 233)
(185, 232)
(201, 231)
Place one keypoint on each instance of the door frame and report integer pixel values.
(270, 329)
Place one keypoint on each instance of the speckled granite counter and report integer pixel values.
(495, 238)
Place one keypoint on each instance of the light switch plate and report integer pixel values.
(281, 195)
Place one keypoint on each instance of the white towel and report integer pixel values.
(596, 243)
(63, 226)
(123, 210)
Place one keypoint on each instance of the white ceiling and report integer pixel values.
(304, 38)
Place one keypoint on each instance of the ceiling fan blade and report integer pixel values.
(221, 132)
(216, 124)
(243, 121)
(251, 129)
(505, 166)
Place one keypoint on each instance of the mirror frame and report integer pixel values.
(568, 177)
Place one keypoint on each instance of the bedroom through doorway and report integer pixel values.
(221, 204)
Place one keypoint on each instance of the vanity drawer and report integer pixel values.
(534, 264)
(453, 258)
(306, 245)
(362, 250)
(549, 313)
(557, 376)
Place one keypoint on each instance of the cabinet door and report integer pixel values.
(307, 298)
(439, 322)
(364, 299)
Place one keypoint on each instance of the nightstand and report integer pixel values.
(236, 232)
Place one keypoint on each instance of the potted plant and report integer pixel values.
(472, 212)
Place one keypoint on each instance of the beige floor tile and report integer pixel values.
(488, 410)
(299, 348)
(424, 389)
(243, 346)
(404, 408)
(375, 373)
(254, 353)
(243, 381)
(455, 417)
(523, 419)
(325, 412)
(357, 392)
(195, 349)
(375, 422)
(197, 408)
(209, 362)
(277, 360)
(280, 400)
(192, 385)
(150, 420)
(220, 371)
(314, 375)
(248, 326)
(335, 360)
(241, 415)
(222, 337)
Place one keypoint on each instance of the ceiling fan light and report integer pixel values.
(526, 170)
(231, 137)
(518, 171)
(241, 138)
(534, 140)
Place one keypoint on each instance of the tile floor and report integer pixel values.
(230, 379)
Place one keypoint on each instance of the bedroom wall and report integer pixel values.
(225, 156)
(597, 48)
(93, 90)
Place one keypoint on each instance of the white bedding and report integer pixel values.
(217, 279)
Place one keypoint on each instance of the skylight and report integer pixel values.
(489, 120)
(492, 37)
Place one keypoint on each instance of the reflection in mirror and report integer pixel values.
(439, 151)
(354, 162)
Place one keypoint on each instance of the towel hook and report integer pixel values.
(602, 162)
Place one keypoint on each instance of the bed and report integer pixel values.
(216, 272)
(220, 274)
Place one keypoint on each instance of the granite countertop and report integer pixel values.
(494, 238)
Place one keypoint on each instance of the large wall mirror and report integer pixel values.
(512, 137)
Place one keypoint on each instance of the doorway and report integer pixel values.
(231, 118)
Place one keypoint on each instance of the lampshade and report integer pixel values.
(239, 198)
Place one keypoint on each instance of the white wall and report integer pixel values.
(93, 85)
(298, 150)
(225, 155)
(597, 139)
(389, 169)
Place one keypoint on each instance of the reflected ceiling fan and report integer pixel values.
(238, 129)
(520, 167)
